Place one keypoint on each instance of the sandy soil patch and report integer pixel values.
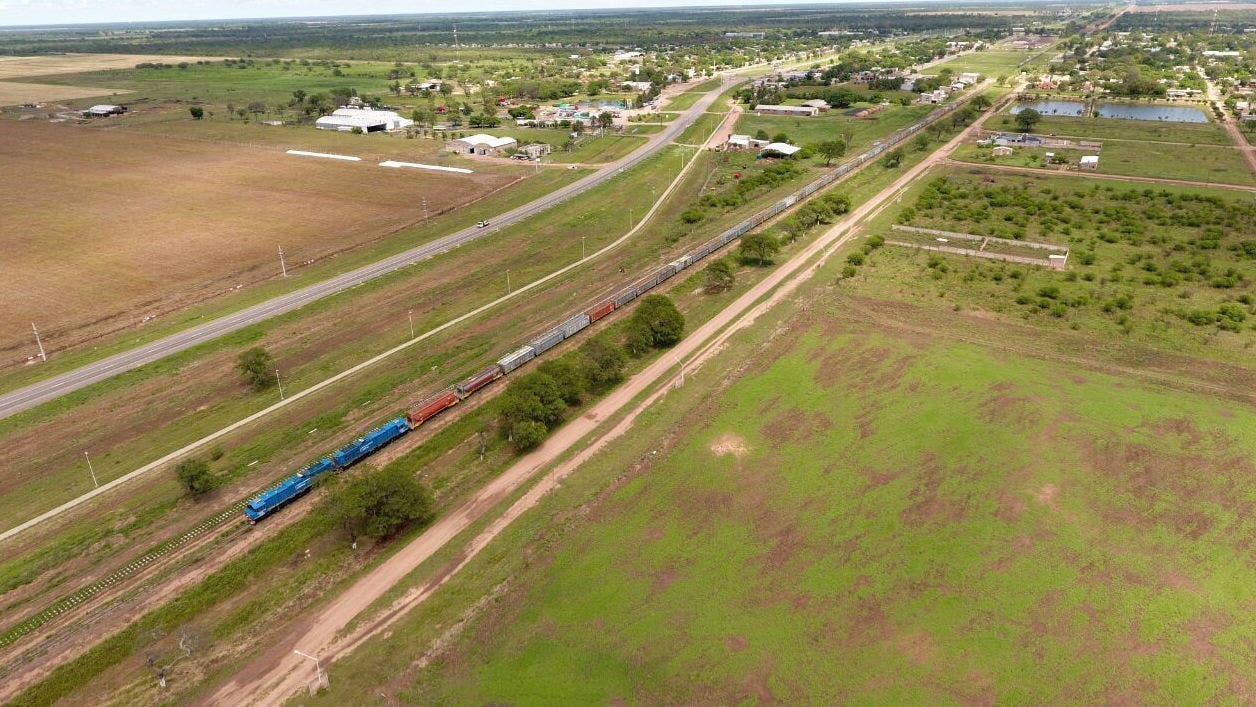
(19, 66)
(13, 93)
(729, 443)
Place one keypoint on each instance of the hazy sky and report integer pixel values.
(38, 12)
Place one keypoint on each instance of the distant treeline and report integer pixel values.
(395, 37)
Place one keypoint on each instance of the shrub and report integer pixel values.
(379, 504)
(718, 277)
(194, 476)
(257, 367)
(758, 249)
(656, 323)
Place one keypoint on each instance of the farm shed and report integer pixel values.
(1002, 151)
(1090, 162)
(480, 144)
(768, 109)
(779, 148)
(365, 119)
(817, 103)
(102, 110)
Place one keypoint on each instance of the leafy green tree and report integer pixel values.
(528, 435)
(893, 158)
(781, 137)
(605, 119)
(980, 101)
(717, 277)
(758, 249)
(602, 363)
(197, 112)
(568, 378)
(1027, 119)
(194, 476)
(535, 397)
(829, 150)
(379, 503)
(257, 367)
(656, 323)
(299, 96)
(762, 134)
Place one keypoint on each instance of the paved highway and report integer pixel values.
(51, 388)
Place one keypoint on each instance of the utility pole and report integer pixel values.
(279, 383)
(42, 356)
(425, 207)
(283, 267)
(411, 315)
(95, 483)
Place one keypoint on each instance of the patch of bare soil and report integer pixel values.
(730, 443)
(794, 425)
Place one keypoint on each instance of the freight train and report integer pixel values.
(290, 488)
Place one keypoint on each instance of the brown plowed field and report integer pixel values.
(104, 228)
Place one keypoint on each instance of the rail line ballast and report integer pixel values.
(293, 486)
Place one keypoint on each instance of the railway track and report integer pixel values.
(136, 566)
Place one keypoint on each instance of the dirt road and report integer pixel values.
(279, 674)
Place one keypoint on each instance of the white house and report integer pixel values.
(365, 119)
(480, 144)
(637, 85)
(1090, 162)
(969, 77)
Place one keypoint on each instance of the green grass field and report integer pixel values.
(1202, 163)
(684, 101)
(1120, 129)
(957, 526)
(991, 63)
(962, 508)
(700, 131)
(832, 124)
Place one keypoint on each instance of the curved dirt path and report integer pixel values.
(279, 674)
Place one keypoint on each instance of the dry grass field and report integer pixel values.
(14, 93)
(104, 228)
(12, 67)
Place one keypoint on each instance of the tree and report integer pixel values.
(762, 134)
(299, 96)
(781, 137)
(257, 107)
(980, 101)
(1027, 119)
(829, 150)
(536, 397)
(194, 476)
(602, 363)
(257, 367)
(758, 249)
(717, 277)
(893, 158)
(568, 378)
(605, 119)
(655, 323)
(528, 435)
(197, 112)
(379, 503)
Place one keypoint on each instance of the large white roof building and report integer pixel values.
(370, 121)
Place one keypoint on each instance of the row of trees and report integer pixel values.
(536, 403)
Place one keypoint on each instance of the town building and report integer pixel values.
(364, 119)
(795, 111)
(481, 144)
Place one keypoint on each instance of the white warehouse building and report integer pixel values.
(481, 144)
(369, 121)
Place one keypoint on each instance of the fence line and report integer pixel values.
(973, 237)
(1053, 264)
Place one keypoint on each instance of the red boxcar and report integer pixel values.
(601, 310)
(479, 380)
(430, 408)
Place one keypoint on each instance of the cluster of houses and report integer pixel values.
(1003, 144)
(585, 112)
(766, 148)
